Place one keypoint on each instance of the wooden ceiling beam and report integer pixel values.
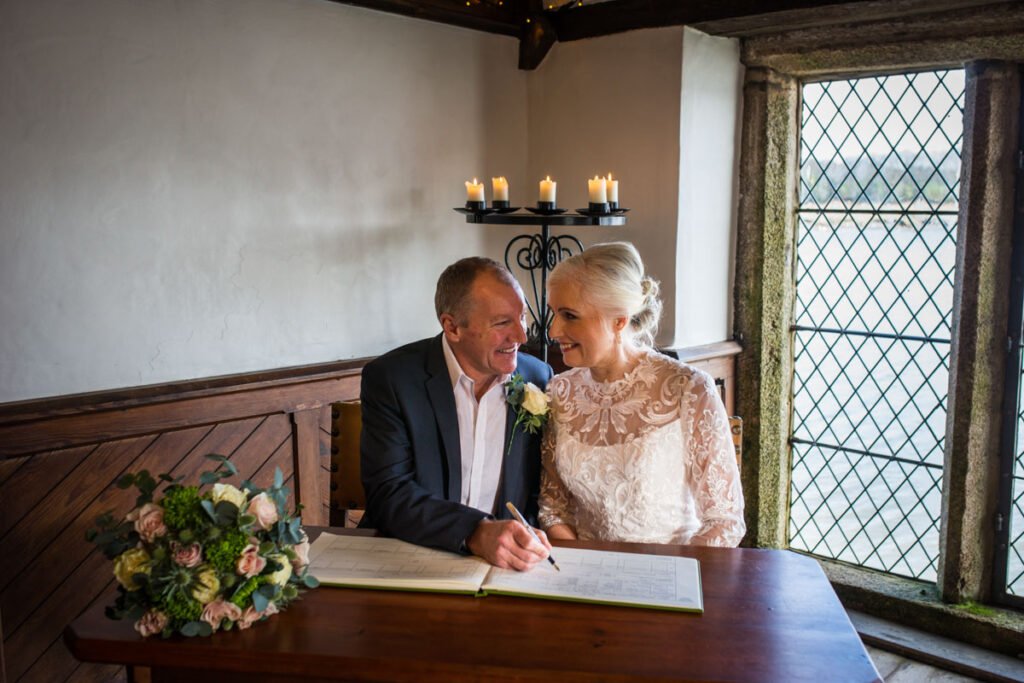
(491, 16)
(909, 11)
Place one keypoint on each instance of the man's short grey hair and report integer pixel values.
(456, 282)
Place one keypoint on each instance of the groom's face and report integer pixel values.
(486, 340)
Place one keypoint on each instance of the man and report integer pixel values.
(437, 462)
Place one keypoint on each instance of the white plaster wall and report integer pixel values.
(612, 104)
(711, 98)
(204, 187)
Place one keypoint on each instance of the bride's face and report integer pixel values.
(585, 335)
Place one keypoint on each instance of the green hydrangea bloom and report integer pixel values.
(223, 553)
(182, 509)
(181, 607)
(241, 596)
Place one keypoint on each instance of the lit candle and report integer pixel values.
(613, 189)
(597, 188)
(547, 190)
(500, 187)
(474, 191)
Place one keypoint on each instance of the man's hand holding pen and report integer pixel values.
(508, 544)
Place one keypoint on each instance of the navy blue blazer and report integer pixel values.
(410, 453)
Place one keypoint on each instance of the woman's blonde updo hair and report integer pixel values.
(611, 278)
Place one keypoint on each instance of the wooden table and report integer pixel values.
(770, 615)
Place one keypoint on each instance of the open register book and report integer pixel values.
(635, 580)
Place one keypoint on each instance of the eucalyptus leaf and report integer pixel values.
(278, 478)
(126, 481)
(310, 581)
(205, 629)
(209, 478)
(259, 601)
(208, 508)
(191, 629)
(226, 511)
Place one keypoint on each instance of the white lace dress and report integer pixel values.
(648, 458)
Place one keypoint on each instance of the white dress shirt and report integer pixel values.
(481, 435)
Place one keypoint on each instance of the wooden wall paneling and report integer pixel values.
(94, 426)
(52, 566)
(3, 665)
(325, 461)
(56, 664)
(178, 453)
(56, 565)
(60, 459)
(274, 432)
(98, 673)
(308, 488)
(281, 458)
(8, 467)
(65, 502)
(23, 490)
(44, 625)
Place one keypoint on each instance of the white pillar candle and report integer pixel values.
(613, 189)
(597, 188)
(500, 189)
(474, 191)
(547, 190)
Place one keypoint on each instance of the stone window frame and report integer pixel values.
(958, 604)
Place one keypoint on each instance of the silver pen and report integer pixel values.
(522, 520)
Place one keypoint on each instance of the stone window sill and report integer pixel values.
(917, 604)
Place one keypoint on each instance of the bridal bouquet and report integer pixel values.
(192, 561)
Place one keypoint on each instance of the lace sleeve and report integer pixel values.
(715, 477)
(554, 499)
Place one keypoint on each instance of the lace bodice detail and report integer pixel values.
(647, 458)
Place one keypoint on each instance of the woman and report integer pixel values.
(638, 447)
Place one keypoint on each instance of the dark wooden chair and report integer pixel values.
(736, 427)
(347, 497)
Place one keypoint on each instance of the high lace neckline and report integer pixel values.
(613, 387)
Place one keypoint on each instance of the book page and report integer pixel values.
(608, 577)
(389, 563)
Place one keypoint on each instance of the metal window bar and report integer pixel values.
(876, 252)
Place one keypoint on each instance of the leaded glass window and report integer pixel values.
(876, 248)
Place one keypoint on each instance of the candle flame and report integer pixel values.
(609, 176)
(548, 178)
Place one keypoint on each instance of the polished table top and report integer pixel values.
(770, 615)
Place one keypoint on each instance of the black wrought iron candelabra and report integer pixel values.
(536, 255)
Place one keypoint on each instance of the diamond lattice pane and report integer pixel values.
(1015, 549)
(876, 251)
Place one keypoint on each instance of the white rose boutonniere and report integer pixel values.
(530, 404)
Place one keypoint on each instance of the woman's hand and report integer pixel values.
(562, 532)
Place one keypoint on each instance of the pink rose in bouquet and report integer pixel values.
(152, 622)
(218, 610)
(149, 521)
(190, 555)
(249, 562)
(264, 510)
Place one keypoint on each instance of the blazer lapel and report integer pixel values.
(511, 462)
(442, 399)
